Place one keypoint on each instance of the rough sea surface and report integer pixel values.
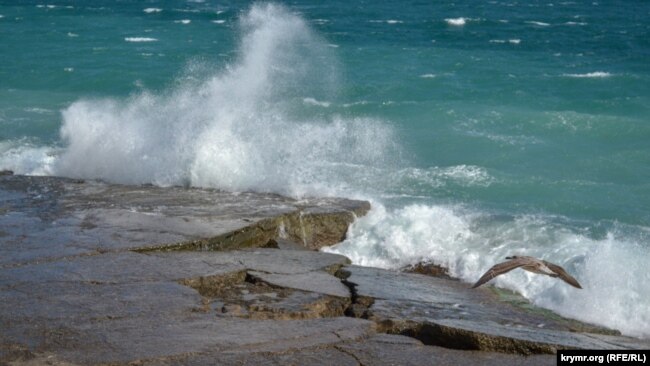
(476, 129)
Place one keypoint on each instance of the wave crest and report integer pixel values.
(241, 128)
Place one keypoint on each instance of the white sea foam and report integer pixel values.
(597, 74)
(218, 21)
(312, 101)
(39, 110)
(362, 102)
(234, 129)
(72, 35)
(24, 157)
(420, 181)
(140, 39)
(428, 76)
(611, 270)
(388, 21)
(183, 21)
(575, 23)
(541, 24)
(152, 10)
(457, 22)
(512, 41)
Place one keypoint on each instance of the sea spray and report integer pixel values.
(468, 242)
(235, 129)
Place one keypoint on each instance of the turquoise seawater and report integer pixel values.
(476, 129)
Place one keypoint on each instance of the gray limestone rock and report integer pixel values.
(449, 313)
(96, 273)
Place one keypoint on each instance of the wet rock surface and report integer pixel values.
(44, 218)
(94, 273)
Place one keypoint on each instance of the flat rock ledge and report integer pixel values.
(99, 274)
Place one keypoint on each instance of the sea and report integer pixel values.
(476, 129)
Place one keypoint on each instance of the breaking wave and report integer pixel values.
(237, 129)
(610, 268)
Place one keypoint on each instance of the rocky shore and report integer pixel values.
(95, 273)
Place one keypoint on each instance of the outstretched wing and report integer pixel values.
(561, 273)
(499, 269)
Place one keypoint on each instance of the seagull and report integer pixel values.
(530, 264)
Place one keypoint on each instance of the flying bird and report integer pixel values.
(529, 264)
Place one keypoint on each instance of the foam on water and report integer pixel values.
(140, 39)
(312, 101)
(513, 41)
(24, 157)
(458, 22)
(611, 269)
(597, 74)
(540, 24)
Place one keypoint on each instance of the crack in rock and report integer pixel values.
(242, 295)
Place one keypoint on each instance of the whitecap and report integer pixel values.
(72, 35)
(361, 102)
(541, 24)
(575, 23)
(468, 242)
(68, 69)
(140, 39)
(39, 110)
(428, 76)
(389, 21)
(183, 21)
(219, 21)
(596, 74)
(152, 10)
(457, 22)
(512, 41)
(312, 101)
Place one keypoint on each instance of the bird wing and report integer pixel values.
(563, 274)
(499, 269)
